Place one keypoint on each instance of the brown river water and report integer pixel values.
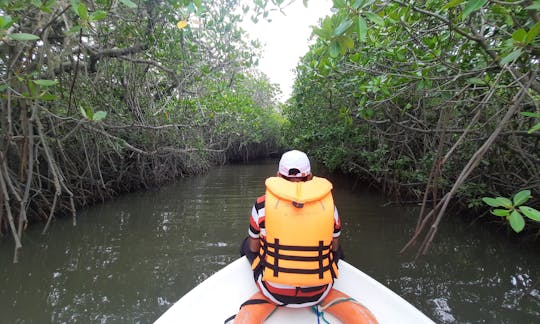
(129, 260)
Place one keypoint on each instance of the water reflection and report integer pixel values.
(129, 260)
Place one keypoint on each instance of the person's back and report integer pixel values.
(293, 246)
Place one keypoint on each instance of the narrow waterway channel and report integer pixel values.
(129, 260)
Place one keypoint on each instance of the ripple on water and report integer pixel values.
(442, 310)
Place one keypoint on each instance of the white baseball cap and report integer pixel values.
(294, 164)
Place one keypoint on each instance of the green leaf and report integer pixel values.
(334, 48)
(530, 212)
(75, 29)
(530, 114)
(533, 32)
(420, 85)
(375, 18)
(83, 112)
(99, 115)
(452, 4)
(472, 6)
(366, 113)
(519, 36)
(5, 21)
(23, 37)
(82, 11)
(34, 91)
(45, 83)
(534, 6)
(516, 221)
(128, 3)
(98, 15)
(511, 57)
(345, 43)
(357, 4)
(339, 4)
(505, 202)
(48, 6)
(89, 113)
(491, 202)
(75, 6)
(320, 32)
(522, 197)
(509, 20)
(361, 28)
(534, 128)
(498, 9)
(325, 32)
(501, 212)
(342, 27)
(48, 97)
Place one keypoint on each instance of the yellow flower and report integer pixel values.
(181, 24)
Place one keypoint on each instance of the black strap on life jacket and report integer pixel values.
(278, 252)
(254, 301)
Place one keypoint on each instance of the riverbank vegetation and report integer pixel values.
(433, 102)
(104, 97)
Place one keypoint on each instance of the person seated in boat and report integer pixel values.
(293, 246)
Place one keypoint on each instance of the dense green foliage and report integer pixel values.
(429, 101)
(103, 97)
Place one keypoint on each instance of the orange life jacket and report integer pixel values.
(299, 222)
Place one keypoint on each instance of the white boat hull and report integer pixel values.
(219, 297)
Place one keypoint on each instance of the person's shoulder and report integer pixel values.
(261, 199)
(259, 203)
